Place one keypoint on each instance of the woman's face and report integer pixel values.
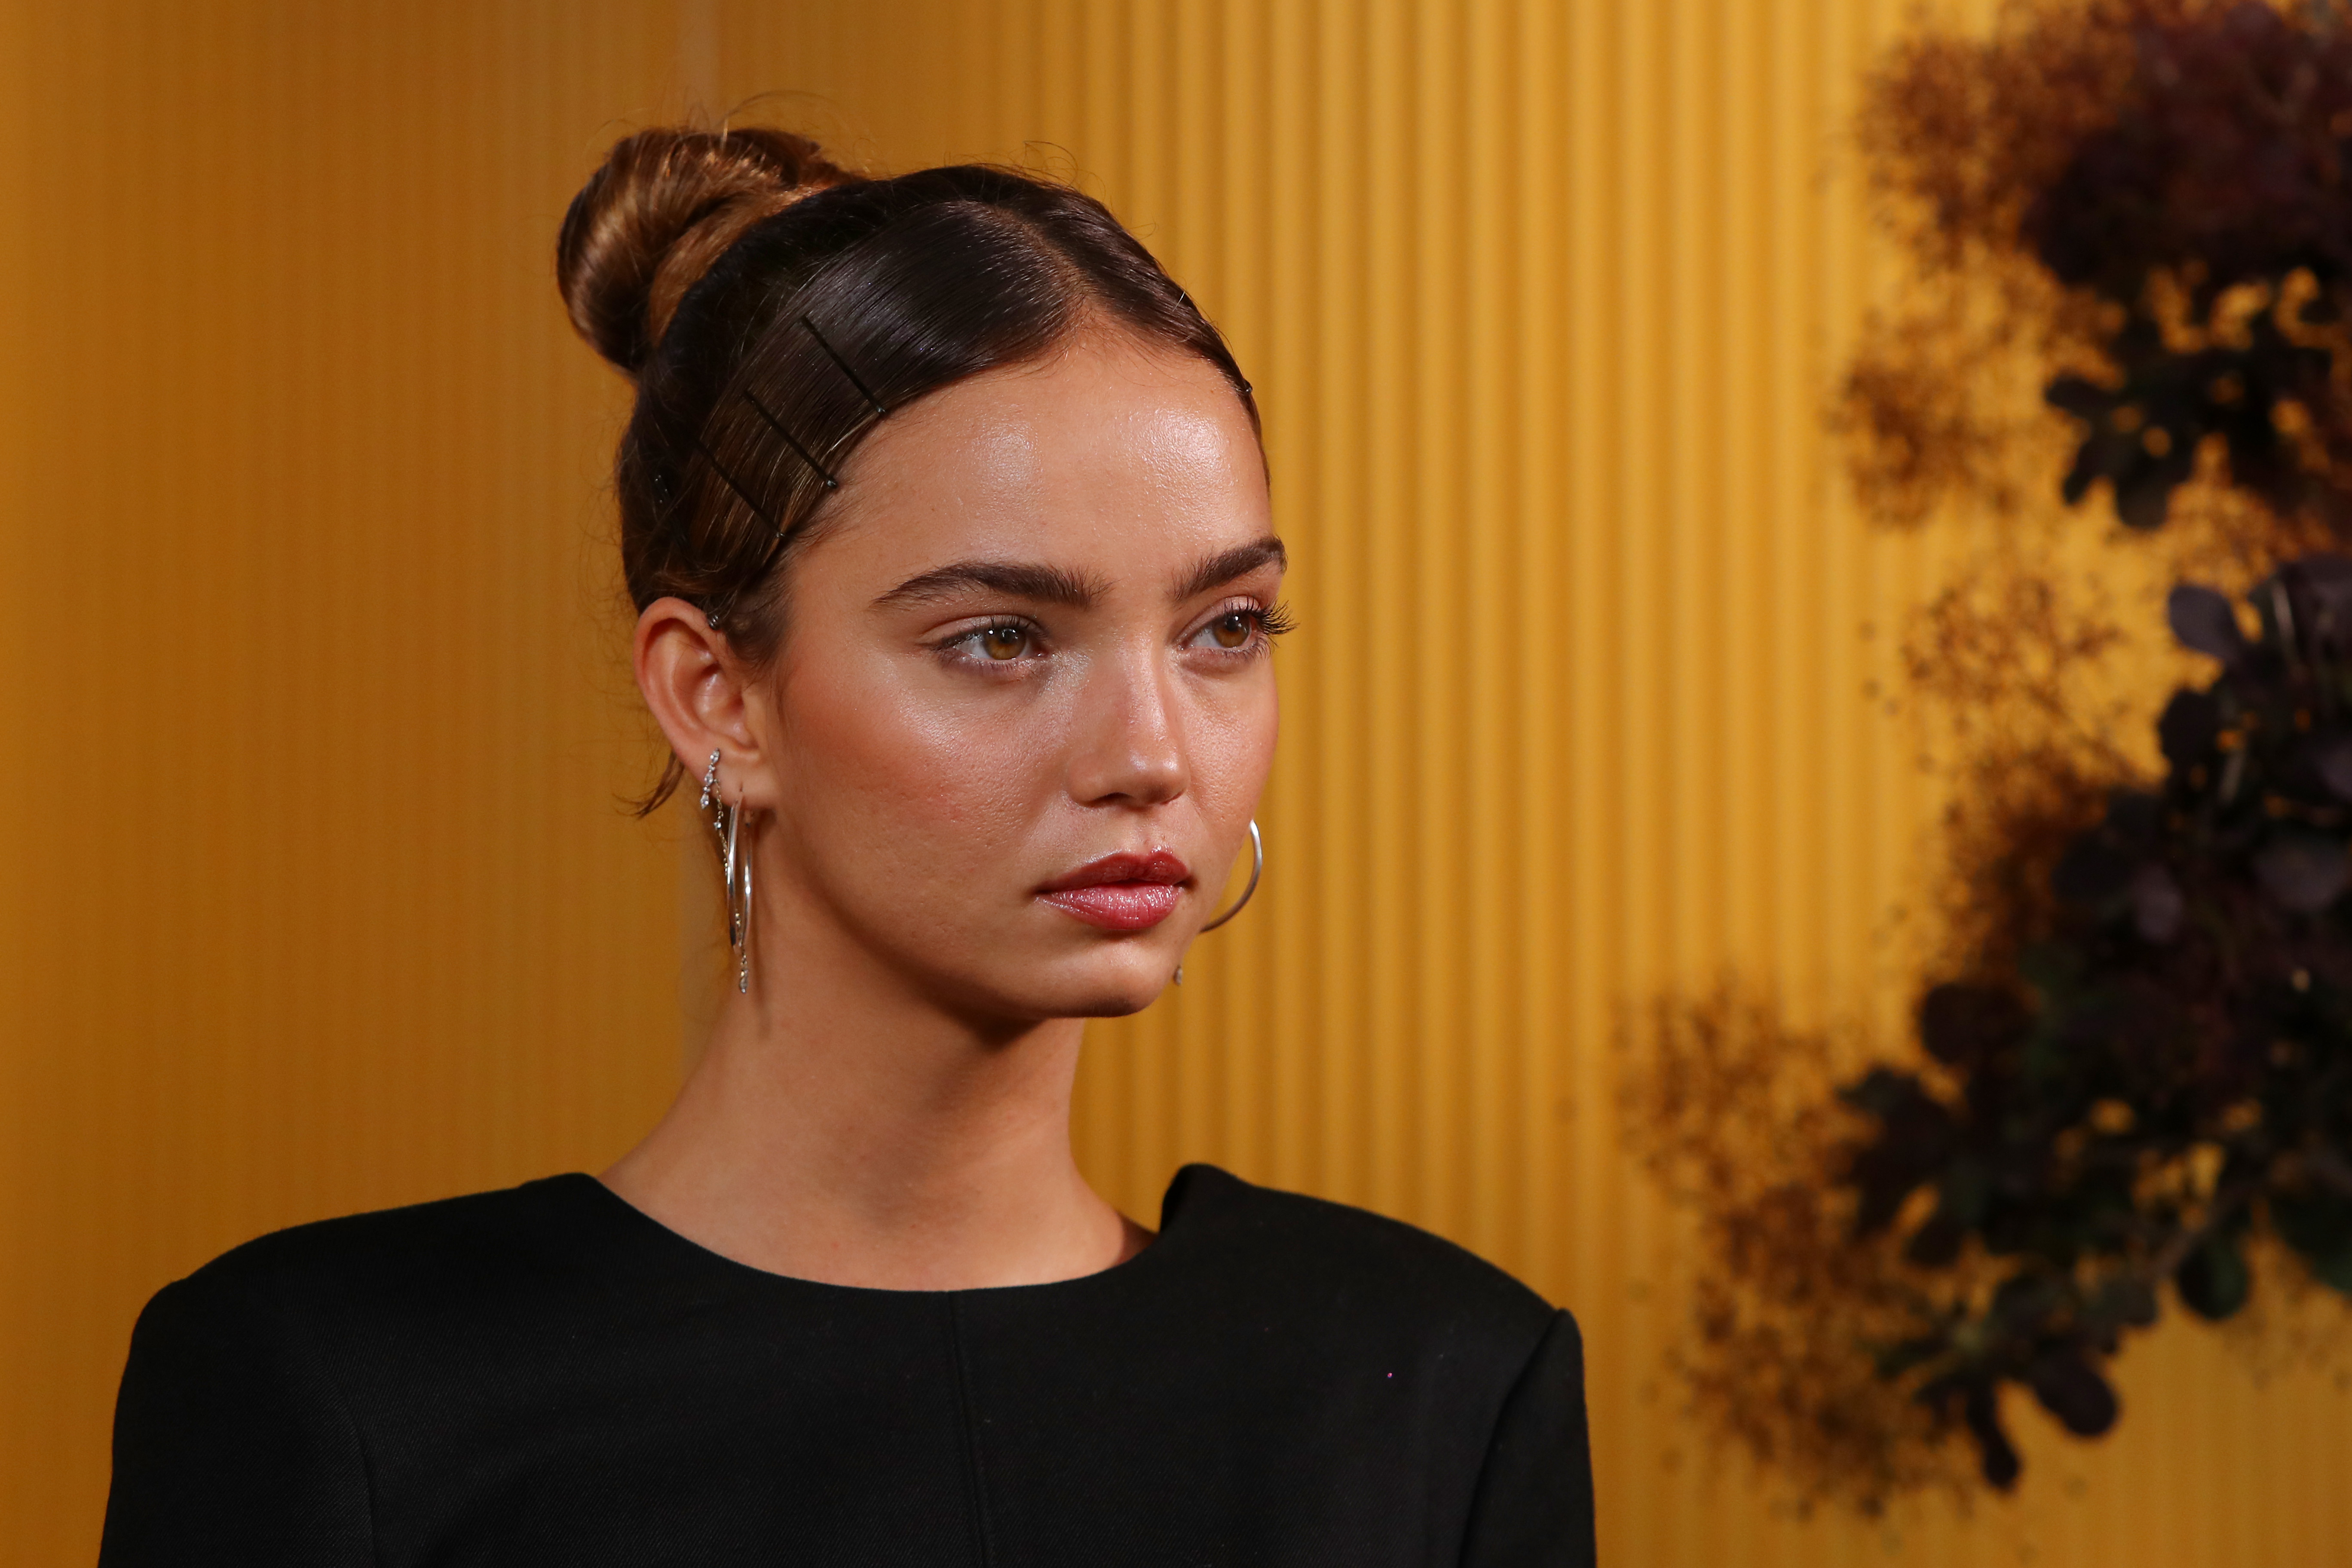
(1025, 703)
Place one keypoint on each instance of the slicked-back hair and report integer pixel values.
(772, 309)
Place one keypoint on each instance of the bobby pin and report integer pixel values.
(832, 353)
(736, 485)
(1247, 390)
(777, 425)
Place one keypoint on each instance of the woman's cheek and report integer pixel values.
(955, 771)
(1231, 742)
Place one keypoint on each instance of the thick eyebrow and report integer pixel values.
(1045, 585)
(1239, 562)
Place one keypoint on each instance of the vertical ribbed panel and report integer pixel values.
(314, 895)
(311, 893)
(1543, 303)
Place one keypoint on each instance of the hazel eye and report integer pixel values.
(1002, 643)
(1240, 628)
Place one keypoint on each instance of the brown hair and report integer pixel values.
(771, 306)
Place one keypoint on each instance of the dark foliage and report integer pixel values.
(2135, 1062)
(2168, 1069)
(1741, 1120)
(2214, 217)
(2159, 1061)
(2164, 188)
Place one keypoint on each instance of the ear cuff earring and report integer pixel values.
(735, 861)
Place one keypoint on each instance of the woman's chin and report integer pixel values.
(1118, 1006)
(1109, 982)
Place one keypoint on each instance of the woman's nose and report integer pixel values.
(1129, 742)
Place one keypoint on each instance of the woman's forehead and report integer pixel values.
(1103, 460)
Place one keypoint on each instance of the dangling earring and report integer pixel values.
(1258, 869)
(735, 870)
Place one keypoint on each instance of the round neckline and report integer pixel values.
(1172, 1214)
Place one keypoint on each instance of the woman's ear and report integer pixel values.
(699, 694)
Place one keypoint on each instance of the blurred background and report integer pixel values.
(316, 889)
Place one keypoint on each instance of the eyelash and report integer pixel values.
(962, 647)
(1275, 620)
(1272, 622)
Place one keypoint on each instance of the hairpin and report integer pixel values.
(1181, 293)
(834, 354)
(832, 480)
(736, 485)
(777, 425)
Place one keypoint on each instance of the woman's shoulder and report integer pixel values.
(510, 1244)
(1297, 1247)
(250, 1399)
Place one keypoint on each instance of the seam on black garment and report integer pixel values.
(299, 1336)
(973, 1474)
(1486, 1460)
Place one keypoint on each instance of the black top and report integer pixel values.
(547, 1375)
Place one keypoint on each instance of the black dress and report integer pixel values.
(545, 1375)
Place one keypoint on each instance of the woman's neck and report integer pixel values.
(877, 1141)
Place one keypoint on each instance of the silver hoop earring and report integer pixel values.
(735, 871)
(1258, 869)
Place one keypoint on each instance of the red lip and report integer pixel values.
(1121, 892)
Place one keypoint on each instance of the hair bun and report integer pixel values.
(664, 206)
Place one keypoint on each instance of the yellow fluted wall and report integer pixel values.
(312, 895)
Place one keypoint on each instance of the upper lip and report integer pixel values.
(1158, 866)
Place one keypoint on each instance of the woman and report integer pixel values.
(947, 520)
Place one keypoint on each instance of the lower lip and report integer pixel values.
(1119, 906)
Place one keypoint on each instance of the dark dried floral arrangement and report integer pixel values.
(2139, 1069)
(2170, 1066)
